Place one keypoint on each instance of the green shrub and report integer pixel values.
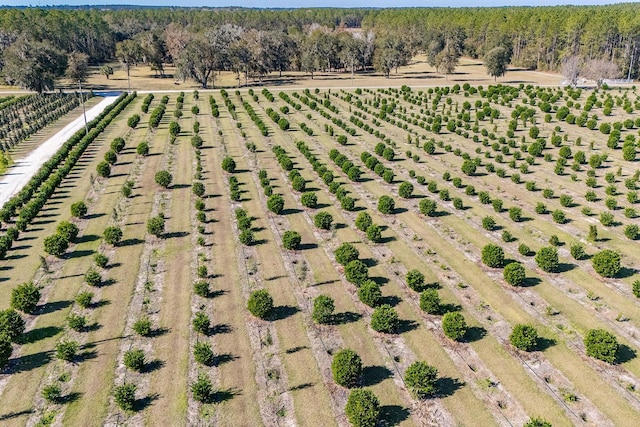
(79, 209)
(374, 233)
(493, 256)
(601, 345)
(369, 293)
(386, 205)
(537, 422)
(104, 169)
(356, 272)
(323, 307)
(430, 301)
(275, 203)
(346, 253)
(55, 245)
(155, 226)
(125, 396)
(454, 325)
(134, 359)
(202, 389)
(405, 190)
(524, 337)
(203, 353)
(309, 200)
(488, 223)
(427, 207)
(323, 220)
(606, 263)
(142, 327)
(260, 303)
(547, 259)
(415, 280)
(577, 251)
(514, 274)
(76, 322)
(52, 393)
(92, 277)
(201, 323)
(291, 240)
(25, 297)
(363, 408)
(363, 221)
(142, 149)
(421, 379)
(112, 235)
(346, 367)
(11, 324)
(67, 350)
(68, 230)
(228, 165)
(163, 178)
(384, 319)
(84, 299)
(5, 350)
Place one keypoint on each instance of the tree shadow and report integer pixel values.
(175, 234)
(223, 358)
(296, 349)
(475, 333)
(131, 242)
(70, 397)
(626, 272)
(625, 354)
(563, 267)
(405, 325)
(29, 362)
(440, 214)
(179, 186)
(220, 328)
(301, 386)
(12, 415)
(217, 293)
(225, 395)
(530, 281)
(544, 343)
(449, 308)
(291, 211)
(397, 211)
(372, 375)
(283, 311)
(370, 262)
(307, 246)
(88, 238)
(38, 334)
(100, 303)
(391, 300)
(50, 307)
(158, 332)
(387, 239)
(142, 404)
(447, 386)
(79, 254)
(153, 365)
(94, 215)
(392, 415)
(345, 317)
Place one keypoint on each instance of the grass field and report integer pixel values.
(277, 371)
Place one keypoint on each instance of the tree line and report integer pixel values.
(255, 42)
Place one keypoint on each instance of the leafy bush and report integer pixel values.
(52, 393)
(369, 293)
(76, 322)
(11, 324)
(515, 213)
(112, 235)
(631, 231)
(142, 327)
(125, 396)
(25, 297)
(155, 226)
(493, 256)
(323, 220)
(246, 237)
(79, 209)
(454, 326)
(384, 319)
(427, 207)
(524, 337)
(363, 408)
(202, 389)
(602, 345)
(430, 301)
(201, 288)
(67, 350)
(100, 260)
(323, 307)
(198, 188)
(537, 422)
(260, 303)
(386, 204)
(514, 274)
(275, 203)
(421, 379)
(356, 272)
(374, 233)
(405, 190)
(84, 299)
(228, 165)
(363, 221)
(203, 353)
(142, 149)
(291, 240)
(488, 223)
(134, 359)
(547, 259)
(309, 200)
(346, 253)
(201, 323)
(55, 245)
(68, 230)
(163, 178)
(469, 167)
(415, 280)
(606, 263)
(346, 367)
(104, 169)
(5, 350)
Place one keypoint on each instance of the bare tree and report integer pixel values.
(571, 69)
(600, 69)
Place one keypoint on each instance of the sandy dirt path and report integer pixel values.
(20, 173)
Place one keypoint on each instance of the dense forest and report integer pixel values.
(253, 42)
